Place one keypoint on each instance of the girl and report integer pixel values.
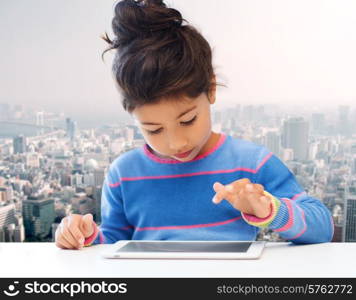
(173, 188)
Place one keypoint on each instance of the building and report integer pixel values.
(99, 175)
(39, 214)
(7, 215)
(20, 144)
(97, 198)
(82, 204)
(88, 179)
(295, 136)
(6, 194)
(71, 128)
(287, 154)
(350, 219)
(11, 225)
(273, 142)
(32, 160)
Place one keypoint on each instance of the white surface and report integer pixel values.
(253, 252)
(277, 260)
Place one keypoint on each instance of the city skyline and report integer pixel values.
(61, 172)
(27, 114)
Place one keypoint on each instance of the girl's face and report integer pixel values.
(177, 129)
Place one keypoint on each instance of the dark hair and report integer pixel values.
(156, 55)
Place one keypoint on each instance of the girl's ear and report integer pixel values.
(212, 91)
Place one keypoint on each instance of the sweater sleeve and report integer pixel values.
(295, 215)
(114, 224)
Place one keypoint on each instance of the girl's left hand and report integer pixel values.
(245, 196)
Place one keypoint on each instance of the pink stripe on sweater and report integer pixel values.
(101, 238)
(181, 175)
(304, 227)
(291, 216)
(297, 195)
(188, 226)
(114, 184)
(266, 158)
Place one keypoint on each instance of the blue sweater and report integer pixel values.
(150, 198)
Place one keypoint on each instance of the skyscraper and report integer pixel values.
(97, 197)
(7, 215)
(273, 142)
(6, 194)
(11, 225)
(19, 144)
(99, 175)
(295, 136)
(350, 219)
(39, 214)
(71, 128)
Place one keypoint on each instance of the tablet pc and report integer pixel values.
(186, 249)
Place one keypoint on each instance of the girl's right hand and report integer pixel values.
(73, 230)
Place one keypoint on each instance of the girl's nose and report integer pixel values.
(177, 143)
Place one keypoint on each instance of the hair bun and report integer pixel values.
(139, 19)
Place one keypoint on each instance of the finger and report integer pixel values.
(60, 240)
(220, 192)
(67, 236)
(74, 231)
(86, 225)
(221, 195)
(228, 192)
(63, 244)
(57, 236)
(218, 186)
(61, 234)
(68, 241)
(77, 235)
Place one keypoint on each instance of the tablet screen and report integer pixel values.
(185, 247)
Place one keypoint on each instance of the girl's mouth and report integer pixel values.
(183, 155)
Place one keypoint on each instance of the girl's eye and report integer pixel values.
(187, 123)
(154, 131)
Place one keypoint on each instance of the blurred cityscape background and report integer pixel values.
(49, 167)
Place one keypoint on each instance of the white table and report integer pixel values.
(278, 260)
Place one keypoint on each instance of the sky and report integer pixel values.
(264, 51)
